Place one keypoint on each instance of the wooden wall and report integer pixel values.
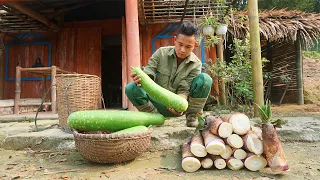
(150, 31)
(76, 48)
(27, 55)
(79, 50)
(282, 57)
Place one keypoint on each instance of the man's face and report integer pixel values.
(184, 45)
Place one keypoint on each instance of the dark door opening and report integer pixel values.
(111, 71)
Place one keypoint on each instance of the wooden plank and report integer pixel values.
(17, 91)
(88, 51)
(54, 90)
(124, 64)
(2, 70)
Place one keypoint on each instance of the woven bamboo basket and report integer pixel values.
(76, 92)
(112, 148)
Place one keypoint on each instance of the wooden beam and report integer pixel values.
(299, 65)
(8, 1)
(25, 19)
(35, 15)
(2, 69)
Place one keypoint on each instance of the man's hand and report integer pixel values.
(136, 78)
(174, 111)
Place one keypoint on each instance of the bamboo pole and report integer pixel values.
(17, 90)
(299, 71)
(221, 85)
(255, 47)
(1, 74)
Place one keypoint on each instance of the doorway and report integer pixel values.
(111, 71)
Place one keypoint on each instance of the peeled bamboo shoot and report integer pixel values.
(218, 162)
(214, 144)
(240, 123)
(239, 154)
(189, 162)
(254, 162)
(206, 163)
(196, 146)
(228, 152)
(234, 164)
(253, 143)
(218, 127)
(235, 141)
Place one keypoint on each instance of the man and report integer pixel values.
(175, 68)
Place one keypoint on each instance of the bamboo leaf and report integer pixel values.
(200, 125)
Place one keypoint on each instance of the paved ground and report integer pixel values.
(50, 154)
(21, 135)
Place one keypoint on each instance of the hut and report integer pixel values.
(106, 37)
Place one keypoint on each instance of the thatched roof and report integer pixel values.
(282, 24)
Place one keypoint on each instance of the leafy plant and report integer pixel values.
(209, 21)
(211, 40)
(266, 115)
(201, 124)
(237, 75)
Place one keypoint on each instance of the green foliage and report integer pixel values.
(266, 115)
(209, 21)
(305, 5)
(211, 40)
(312, 54)
(237, 75)
(201, 124)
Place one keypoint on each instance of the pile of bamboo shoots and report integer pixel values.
(226, 142)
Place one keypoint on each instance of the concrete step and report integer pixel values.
(169, 136)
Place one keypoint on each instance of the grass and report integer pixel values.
(312, 54)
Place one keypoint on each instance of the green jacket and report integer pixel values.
(163, 65)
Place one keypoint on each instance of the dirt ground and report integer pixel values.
(303, 161)
(311, 75)
(303, 158)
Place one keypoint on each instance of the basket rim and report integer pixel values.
(112, 136)
(77, 75)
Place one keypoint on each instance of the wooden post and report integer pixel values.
(17, 91)
(124, 64)
(133, 40)
(43, 84)
(2, 70)
(53, 89)
(255, 48)
(221, 85)
(215, 86)
(299, 71)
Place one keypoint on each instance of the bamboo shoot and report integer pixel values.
(196, 146)
(214, 144)
(189, 162)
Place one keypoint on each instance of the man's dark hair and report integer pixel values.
(188, 29)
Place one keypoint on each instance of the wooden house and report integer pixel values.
(104, 38)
